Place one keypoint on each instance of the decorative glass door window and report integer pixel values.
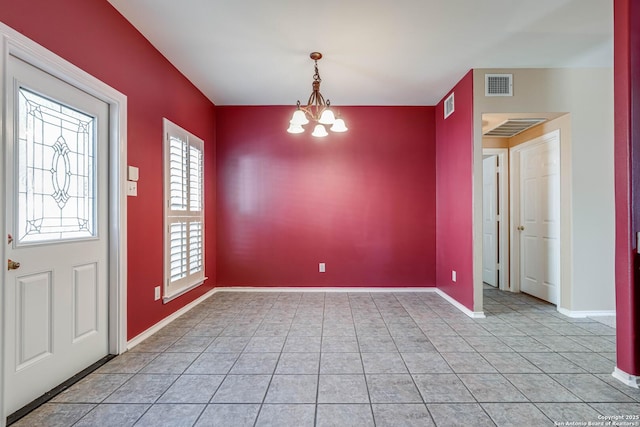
(55, 172)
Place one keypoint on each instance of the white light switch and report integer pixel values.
(454, 276)
(132, 188)
(132, 173)
(322, 267)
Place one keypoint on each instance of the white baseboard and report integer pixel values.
(320, 289)
(627, 379)
(456, 304)
(586, 313)
(462, 308)
(164, 322)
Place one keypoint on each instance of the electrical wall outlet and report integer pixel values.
(157, 293)
(454, 276)
(322, 267)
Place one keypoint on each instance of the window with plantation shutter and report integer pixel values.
(184, 211)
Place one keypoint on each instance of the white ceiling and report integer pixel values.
(376, 52)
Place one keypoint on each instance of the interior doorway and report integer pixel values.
(506, 134)
(535, 189)
(490, 217)
(495, 218)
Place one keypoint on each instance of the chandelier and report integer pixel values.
(317, 109)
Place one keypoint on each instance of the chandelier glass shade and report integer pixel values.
(317, 110)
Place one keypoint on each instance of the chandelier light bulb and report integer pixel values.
(299, 118)
(327, 117)
(319, 131)
(293, 128)
(339, 126)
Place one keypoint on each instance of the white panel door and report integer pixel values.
(55, 303)
(540, 220)
(490, 220)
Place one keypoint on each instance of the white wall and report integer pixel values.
(587, 217)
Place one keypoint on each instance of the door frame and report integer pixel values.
(514, 196)
(503, 206)
(15, 44)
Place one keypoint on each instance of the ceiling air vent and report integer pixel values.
(498, 84)
(513, 127)
(449, 106)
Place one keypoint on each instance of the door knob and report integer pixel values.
(521, 227)
(12, 265)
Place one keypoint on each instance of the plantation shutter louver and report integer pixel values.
(184, 245)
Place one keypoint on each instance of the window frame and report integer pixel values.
(188, 216)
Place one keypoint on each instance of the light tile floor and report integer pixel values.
(356, 359)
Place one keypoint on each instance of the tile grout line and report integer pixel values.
(364, 374)
(413, 381)
(317, 403)
(391, 311)
(264, 398)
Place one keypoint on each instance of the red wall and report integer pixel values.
(454, 192)
(363, 202)
(627, 182)
(96, 38)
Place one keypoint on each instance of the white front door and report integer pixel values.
(540, 219)
(55, 303)
(490, 220)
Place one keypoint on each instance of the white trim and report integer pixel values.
(174, 289)
(450, 300)
(183, 291)
(627, 379)
(450, 102)
(514, 208)
(462, 308)
(503, 186)
(3, 223)
(321, 289)
(16, 44)
(579, 314)
(164, 322)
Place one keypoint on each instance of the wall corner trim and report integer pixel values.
(578, 314)
(462, 308)
(627, 379)
(164, 322)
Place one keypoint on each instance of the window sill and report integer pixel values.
(168, 298)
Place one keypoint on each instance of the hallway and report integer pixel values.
(337, 359)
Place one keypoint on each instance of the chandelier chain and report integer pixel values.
(316, 75)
